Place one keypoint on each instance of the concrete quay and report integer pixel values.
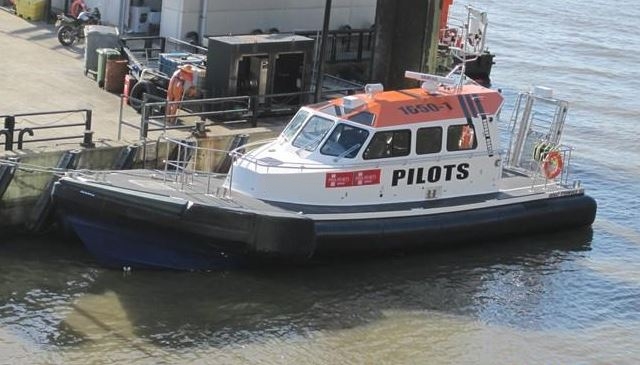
(40, 75)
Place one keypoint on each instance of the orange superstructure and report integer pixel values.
(393, 108)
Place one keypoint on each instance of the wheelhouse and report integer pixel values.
(323, 137)
(378, 147)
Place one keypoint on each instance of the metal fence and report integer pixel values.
(346, 45)
(159, 115)
(18, 126)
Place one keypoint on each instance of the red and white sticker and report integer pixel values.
(352, 178)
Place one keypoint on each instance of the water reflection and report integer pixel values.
(55, 302)
(178, 310)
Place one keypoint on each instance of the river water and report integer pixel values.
(572, 297)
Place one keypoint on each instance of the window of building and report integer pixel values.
(312, 133)
(389, 144)
(461, 137)
(345, 141)
(429, 140)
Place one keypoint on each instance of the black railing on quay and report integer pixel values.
(346, 45)
(159, 115)
(149, 47)
(11, 130)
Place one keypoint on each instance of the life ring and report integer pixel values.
(180, 85)
(552, 165)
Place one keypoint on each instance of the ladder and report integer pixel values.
(487, 135)
(485, 126)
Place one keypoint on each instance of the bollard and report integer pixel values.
(9, 127)
(87, 139)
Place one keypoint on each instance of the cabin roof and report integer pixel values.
(402, 107)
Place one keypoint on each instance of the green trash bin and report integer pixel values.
(104, 54)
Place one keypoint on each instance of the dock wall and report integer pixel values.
(36, 169)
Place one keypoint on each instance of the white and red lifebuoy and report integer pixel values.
(552, 165)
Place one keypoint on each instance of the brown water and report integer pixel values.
(535, 300)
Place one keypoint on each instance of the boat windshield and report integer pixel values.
(345, 141)
(312, 133)
(294, 125)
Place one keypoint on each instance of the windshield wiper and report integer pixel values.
(348, 151)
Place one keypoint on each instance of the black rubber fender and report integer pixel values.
(137, 93)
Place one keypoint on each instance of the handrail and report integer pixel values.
(346, 45)
(10, 129)
(249, 107)
(186, 44)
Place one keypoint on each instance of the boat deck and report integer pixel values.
(207, 190)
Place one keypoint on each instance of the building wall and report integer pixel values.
(109, 10)
(172, 18)
(243, 16)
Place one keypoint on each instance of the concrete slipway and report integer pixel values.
(40, 75)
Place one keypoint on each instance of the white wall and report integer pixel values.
(109, 10)
(57, 4)
(171, 21)
(243, 16)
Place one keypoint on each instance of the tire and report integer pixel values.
(137, 93)
(66, 35)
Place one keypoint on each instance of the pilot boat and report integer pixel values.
(363, 174)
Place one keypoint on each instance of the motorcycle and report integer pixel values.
(71, 30)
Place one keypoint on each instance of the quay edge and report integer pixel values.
(35, 170)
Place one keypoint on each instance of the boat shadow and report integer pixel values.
(181, 309)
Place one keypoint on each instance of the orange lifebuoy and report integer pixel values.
(180, 84)
(552, 165)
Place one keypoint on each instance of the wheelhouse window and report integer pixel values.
(345, 141)
(388, 144)
(461, 137)
(364, 118)
(429, 140)
(312, 133)
(295, 124)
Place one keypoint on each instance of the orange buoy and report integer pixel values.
(181, 83)
(552, 165)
